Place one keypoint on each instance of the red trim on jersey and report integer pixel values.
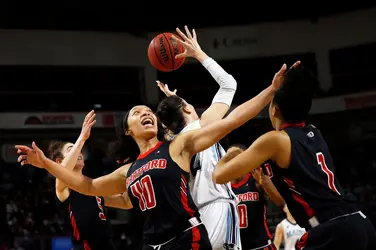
(266, 225)
(184, 196)
(299, 198)
(287, 125)
(76, 233)
(196, 236)
(242, 182)
(302, 243)
(141, 156)
(86, 245)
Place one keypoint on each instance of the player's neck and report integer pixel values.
(291, 219)
(190, 118)
(146, 145)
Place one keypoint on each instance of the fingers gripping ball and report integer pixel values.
(162, 51)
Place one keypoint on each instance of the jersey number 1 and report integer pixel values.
(143, 190)
(321, 161)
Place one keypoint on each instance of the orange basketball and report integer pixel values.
(162, 51)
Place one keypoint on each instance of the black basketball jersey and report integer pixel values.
(86, 217)
(254, 231)
(309, 185)
(159, 188)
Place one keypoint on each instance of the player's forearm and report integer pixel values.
(269, 188)
(228, 157)
(75, 181)
(250, 109)
(70, 160)
(117, 201)
(227, 83)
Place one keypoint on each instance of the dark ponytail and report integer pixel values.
(125, 149)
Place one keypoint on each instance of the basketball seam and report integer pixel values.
(156, 55)
(169, 48)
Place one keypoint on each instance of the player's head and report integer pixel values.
(293, 100)
(58, 150)
(236, 146)
(174, 112)
(138, 125)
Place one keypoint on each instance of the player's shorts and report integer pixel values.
(221, 220)
(354, 232)
(195, 238)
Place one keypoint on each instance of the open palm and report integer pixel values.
(88, 123)
(33, 156)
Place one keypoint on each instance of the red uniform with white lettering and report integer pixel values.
(254, 232)
(89, 226)
(159, 188)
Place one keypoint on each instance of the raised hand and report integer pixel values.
(88, 123)
(164, 88)
(33, 156)
(257, 175)
(189, 41)
(278, 77)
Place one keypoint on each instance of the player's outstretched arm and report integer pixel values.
(121, 201)
(222, 100)
(200, 139)
(113, 183)
(264, 148)
(69, 162)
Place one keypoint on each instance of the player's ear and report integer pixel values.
(186, 109)
(276, 112)
(59, 160)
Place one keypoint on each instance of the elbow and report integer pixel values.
(234, 83)
(218, 177)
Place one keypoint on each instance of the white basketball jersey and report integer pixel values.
(292, 233)
(203, 189)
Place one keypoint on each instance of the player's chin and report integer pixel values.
(79, 167)
(149, 131)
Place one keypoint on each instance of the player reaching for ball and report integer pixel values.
(156, 184)
(216, 203)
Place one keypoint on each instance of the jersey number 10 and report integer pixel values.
(143, 190)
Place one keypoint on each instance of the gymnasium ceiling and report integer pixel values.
(134, 17)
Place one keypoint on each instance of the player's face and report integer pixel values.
(80, 160)
(142, 123)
